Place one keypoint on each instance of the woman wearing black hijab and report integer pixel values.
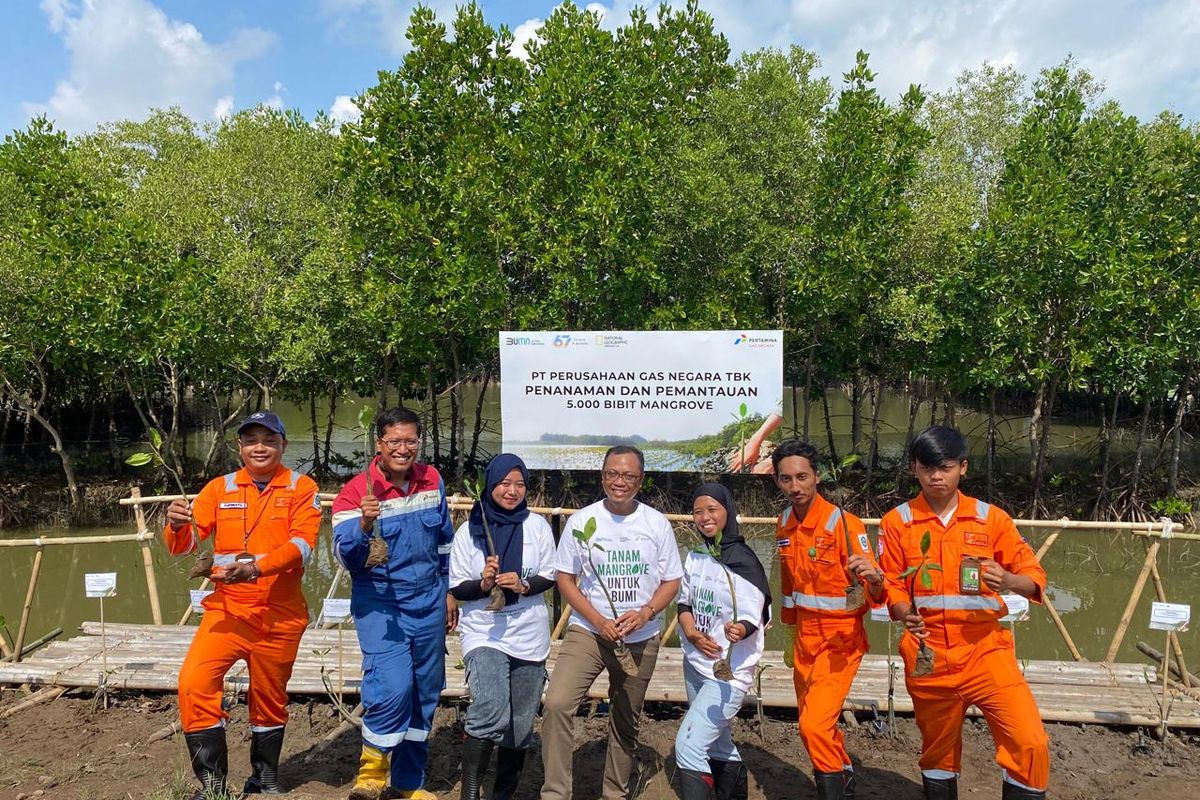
(724, 604)
(504, 650)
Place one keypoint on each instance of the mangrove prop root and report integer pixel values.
(377, 552)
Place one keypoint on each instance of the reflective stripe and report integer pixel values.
(294, 479)
(939, 774)
(981, 510)
(785, 516)
(416, 735)
(302, 546)
(231, 481)
(342, 516)
(905, 511)
(816, 602)
(959, 602)
(444, 549)
(1009, 779)
(788, 602)
(264, 728)
(381, 739)
(833, 518)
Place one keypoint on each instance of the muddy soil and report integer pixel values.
(70, 749)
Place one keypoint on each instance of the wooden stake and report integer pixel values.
(562, 624)
(35, 699)
(1184, 675)
(674, 623)
(33, 579)
(1051, 539)
(139, 515)
(1062, 630)
(1131, 606)
(103, 687)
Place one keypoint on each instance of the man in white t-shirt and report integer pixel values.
(616, 592)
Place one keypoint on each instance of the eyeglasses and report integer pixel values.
(612, 476)
(396, 444)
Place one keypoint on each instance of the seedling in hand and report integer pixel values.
(204, 559)
(856, 597)
(475, 491)
(722, 669)
(584, 537)
(921, 572)
(377, 549)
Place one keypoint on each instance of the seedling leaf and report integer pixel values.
(926, 579)
(908, 572)
(925, 540)
(139, 459)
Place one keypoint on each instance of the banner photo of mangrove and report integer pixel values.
(690, 400)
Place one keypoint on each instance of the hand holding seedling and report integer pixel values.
(179, 513)
(914, 623)
(735, 632)
(370, 512)
(995, 576)
(861, 568)
(491, 568)
(923, 571)
(630, 622)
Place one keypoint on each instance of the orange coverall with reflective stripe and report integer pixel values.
(974, 661)
(260, 621)
(830, 640)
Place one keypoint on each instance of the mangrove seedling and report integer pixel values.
(475, 492)
(584, 537)
(856, 597)
(377, 549)
(742, 417)
(204, 558)
(722, 669)
(921, 572)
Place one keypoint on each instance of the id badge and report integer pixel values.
(968, 575)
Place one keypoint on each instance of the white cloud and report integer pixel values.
(127, 56)
(385, 21)
(275, 101)
(344, 110)
(525, 33)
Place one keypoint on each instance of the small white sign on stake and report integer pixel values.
(880, 615)
(1018, 608)
(1170, 616)
(100, 584)
(198, 596)
(335, 610)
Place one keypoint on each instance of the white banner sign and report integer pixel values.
(198, 596)
(1170, 616)
(690, 400)
(100, 584)
(880, 614)
(1018, 608)
(335, 610)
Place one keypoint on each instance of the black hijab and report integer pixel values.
(736, 555)
(508, 527)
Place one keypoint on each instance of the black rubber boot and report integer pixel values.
(1010, 791)
(509, 764)
(940, 788)
(830, 785)
(729, 780)
(695, 785)
(475, 755)
(265, 747)
(849, 785)
(210, 761)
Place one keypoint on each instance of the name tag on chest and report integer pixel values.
(232, 505)
(976, 539)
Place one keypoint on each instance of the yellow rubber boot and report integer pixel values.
(372, 774)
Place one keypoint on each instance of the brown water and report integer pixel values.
(1091, 575)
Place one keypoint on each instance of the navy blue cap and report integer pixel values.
(268, 419)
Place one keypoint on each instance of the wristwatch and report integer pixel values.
(524, 586)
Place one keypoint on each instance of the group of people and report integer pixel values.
(942, 563)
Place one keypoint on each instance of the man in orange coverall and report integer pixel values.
(823, 552)
(956, 614)
(263, 520)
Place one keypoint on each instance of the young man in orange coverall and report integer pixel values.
(263, 520)
(822, 551)
(957, 613)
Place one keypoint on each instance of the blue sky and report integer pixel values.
(85, 62)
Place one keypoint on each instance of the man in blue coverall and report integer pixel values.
(402, 608)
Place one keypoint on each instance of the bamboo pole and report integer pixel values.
(666, 637)
(47, 541)
(1131, 606)
(1050, 540)
(1161, 592)
(33, 579)
(1150, 652)
(562, 624)
(35, 644)
(35, 699)
(187, 615)
(139, 515)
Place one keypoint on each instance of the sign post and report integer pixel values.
(337, 609)
(1172, 618)
(101, 585)
(1018, 611)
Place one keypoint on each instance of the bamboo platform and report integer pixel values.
(147, 657)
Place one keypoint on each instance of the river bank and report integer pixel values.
(69, 749)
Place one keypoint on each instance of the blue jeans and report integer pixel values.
(706, 732)
(505, 693)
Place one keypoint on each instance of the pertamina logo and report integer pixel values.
(741, 339)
